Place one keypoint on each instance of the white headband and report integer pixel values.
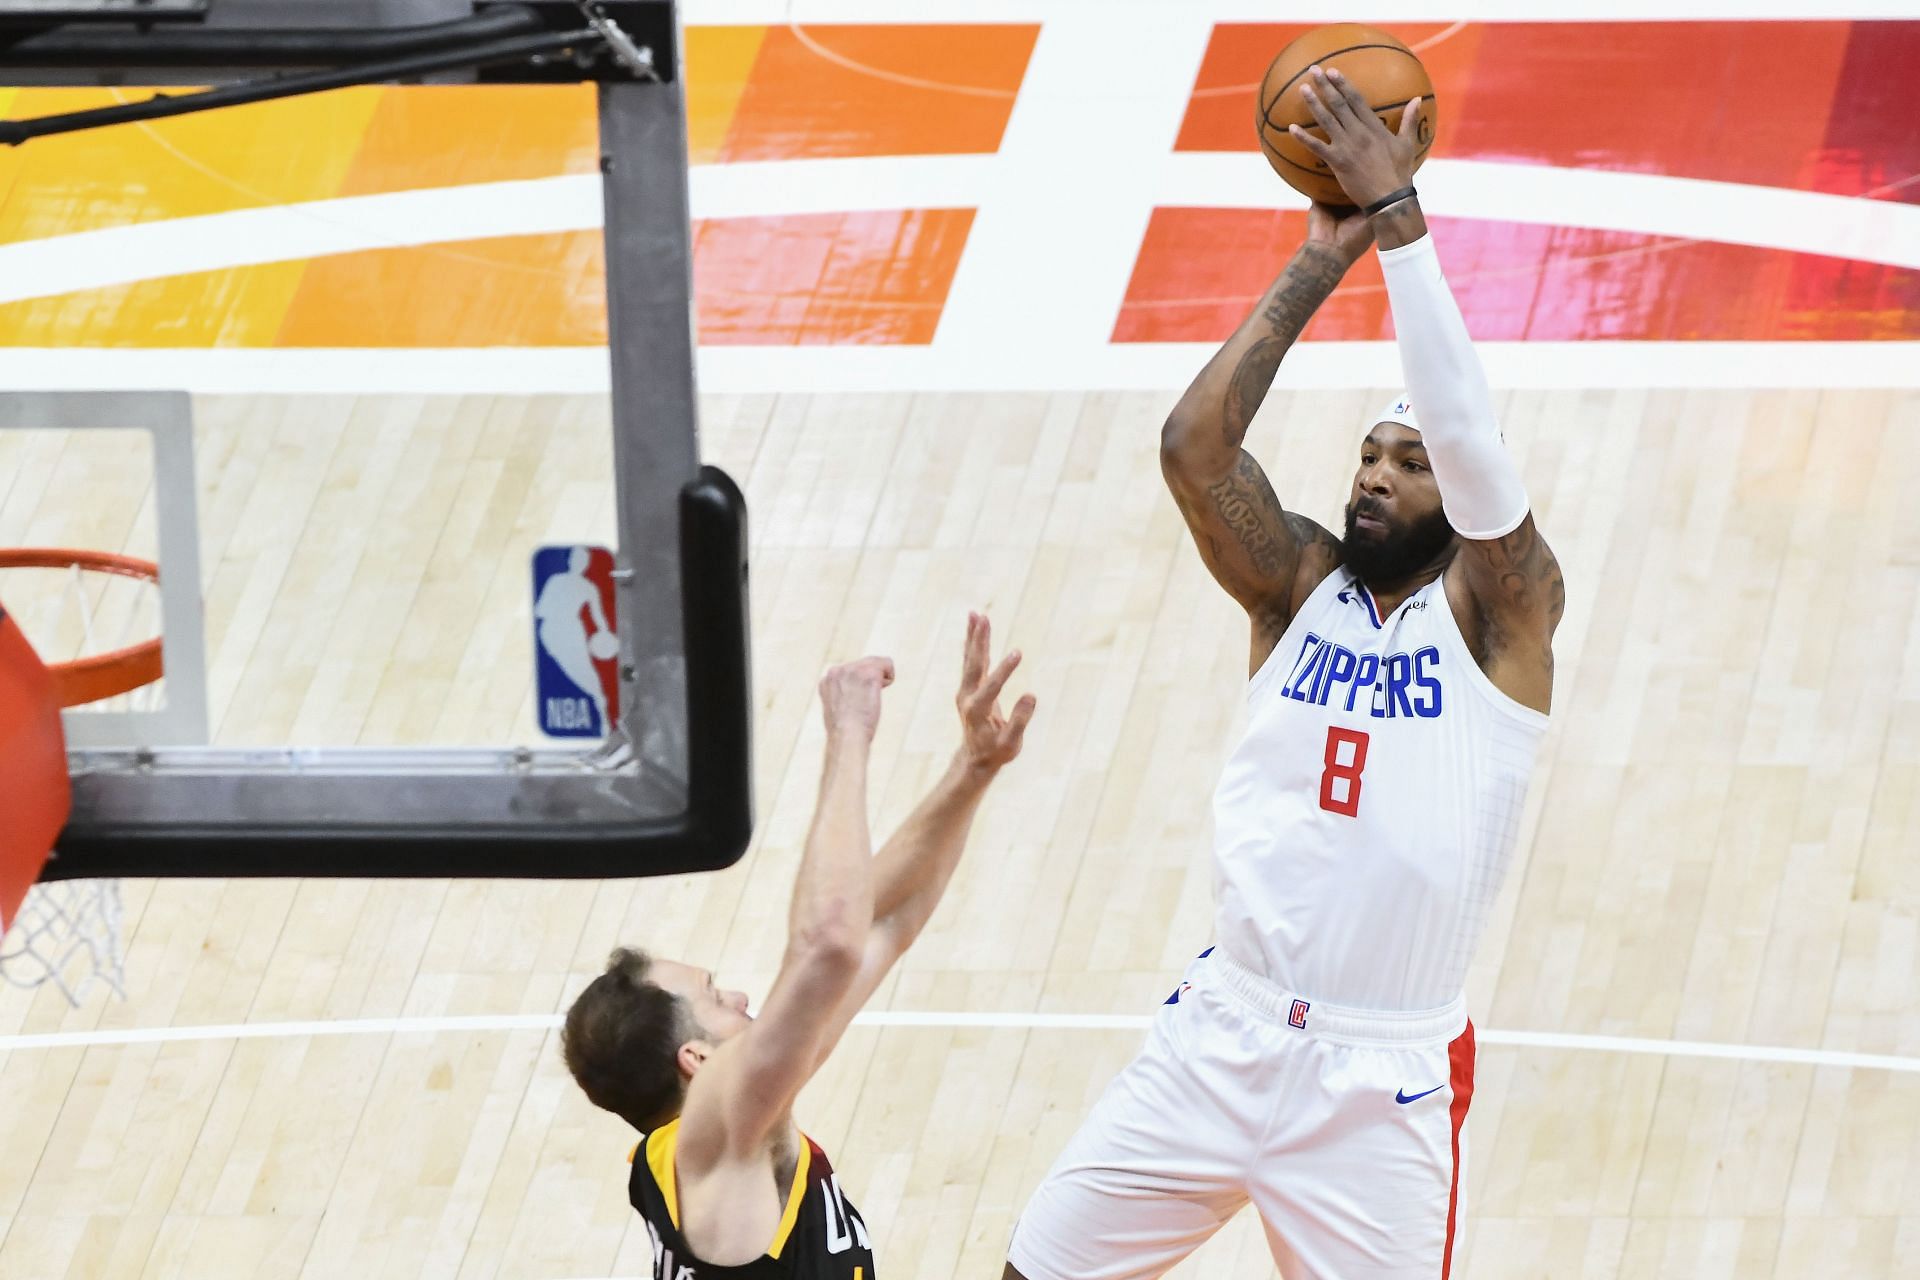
(1400, 411)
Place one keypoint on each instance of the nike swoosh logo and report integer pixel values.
(1403, 1097)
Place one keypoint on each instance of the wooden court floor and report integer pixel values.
(1722, 844)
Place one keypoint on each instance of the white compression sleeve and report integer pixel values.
(1480, 484)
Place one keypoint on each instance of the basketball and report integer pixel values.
(1386, 72)
(603, 645)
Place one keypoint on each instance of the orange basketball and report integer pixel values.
(1387, 74)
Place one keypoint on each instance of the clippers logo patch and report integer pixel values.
(1297, 1016)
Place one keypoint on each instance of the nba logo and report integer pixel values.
(576, 648)
(1297, 1016)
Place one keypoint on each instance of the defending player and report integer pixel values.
(1318, 1061)
(728, 1187)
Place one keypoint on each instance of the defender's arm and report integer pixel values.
(747, 1086)
(1266, 558)
(915, 865)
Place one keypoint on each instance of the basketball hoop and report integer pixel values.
(95, 677)
(67, 933)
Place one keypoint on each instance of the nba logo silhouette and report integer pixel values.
(576, 649)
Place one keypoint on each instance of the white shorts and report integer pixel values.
(1342, 1128)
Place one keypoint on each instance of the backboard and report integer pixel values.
(346, 620)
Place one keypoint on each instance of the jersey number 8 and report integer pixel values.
(1334, 796)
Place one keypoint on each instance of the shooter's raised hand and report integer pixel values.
(1370, 160)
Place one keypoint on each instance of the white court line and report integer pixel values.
(950, 1021)
(1654, 204)
(828, 370)
(316, 228)
(111, 256)
(1170, 366)
(1380, 12)
(1018, 181)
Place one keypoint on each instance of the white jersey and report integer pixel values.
(1363, 825)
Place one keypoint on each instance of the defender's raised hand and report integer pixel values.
(850, 696)
(988, 738)
(1370, 160)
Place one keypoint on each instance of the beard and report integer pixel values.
(1400, 552)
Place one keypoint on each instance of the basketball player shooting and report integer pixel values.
(726, 1184)
(1318, 1061)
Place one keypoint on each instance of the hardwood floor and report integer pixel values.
(1722, 842)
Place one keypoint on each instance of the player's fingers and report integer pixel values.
(989, 692)
(1328, 91)
(973, 655)
(1410, 120)
(1016, 731)
(1310, 142)
(1357, 107)
(1322, 113)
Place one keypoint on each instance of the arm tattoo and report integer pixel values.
(1250, 511)
(1252, 379)
(1527, 582)
(1308, 281)
(1312, 538)
(1525, 568)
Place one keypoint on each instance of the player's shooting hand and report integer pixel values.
(850, 696)
(989, 738)
(1369, 159)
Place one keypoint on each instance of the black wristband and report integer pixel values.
(1391, 198)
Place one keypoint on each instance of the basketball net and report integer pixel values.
(67, 934)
